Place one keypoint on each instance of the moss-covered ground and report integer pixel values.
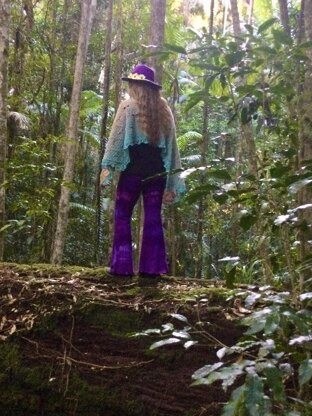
(67, 344)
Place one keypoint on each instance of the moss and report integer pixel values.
(117, 322)
(213, 294)
(45, 389)
(97, 272)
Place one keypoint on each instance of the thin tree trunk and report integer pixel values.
(211, 17)
(284, 15)
(249, 141)
(119, 50)
(235, 18)
(87, 14)
(107, 69)
(251, 10)
(225, 13)
(202, 203)
(157, 34)
(305, 140)
(4, 44)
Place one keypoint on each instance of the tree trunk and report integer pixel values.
(87, 14)
(305, 140)
(107, 69)
(251, 10)
(202, 202)
(249, 141)
(119, 51)
(157, 34)
(284, 15)
(225, 14)
(235, 18)
(4, 44)
(211, 17)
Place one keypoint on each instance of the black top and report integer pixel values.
(145, 160)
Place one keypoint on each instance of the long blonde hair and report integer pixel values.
(155, 117)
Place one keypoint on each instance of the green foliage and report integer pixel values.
(32, 187)
(266, 361)
(269, 369)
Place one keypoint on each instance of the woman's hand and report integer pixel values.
(104, 174)
(168, 197)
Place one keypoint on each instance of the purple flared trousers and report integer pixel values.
(153, 252)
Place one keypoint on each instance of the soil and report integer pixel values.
(69, 343)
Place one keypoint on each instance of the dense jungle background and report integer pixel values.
(238, 77)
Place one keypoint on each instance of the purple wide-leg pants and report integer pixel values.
(153, 253)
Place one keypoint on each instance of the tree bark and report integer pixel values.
(284, 15)
(107, 69)
(157, 34)
(202, 202)
(120, 52)
(225, 15)
(305, 140)
(4, 44)
(87, 14)
(235, 18)
(211, 17)
(251, 10)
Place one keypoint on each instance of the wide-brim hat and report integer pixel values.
(143, 74)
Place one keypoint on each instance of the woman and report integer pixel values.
(142, 144)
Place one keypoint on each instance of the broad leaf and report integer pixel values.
(255, 396)
(206, 370)
(274, 380)
(168, 341)
(179, 317)
(305, 371)
(236, 405)
(268, 23)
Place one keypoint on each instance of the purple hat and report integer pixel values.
(142, 73)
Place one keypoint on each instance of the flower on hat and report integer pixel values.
(136, 76)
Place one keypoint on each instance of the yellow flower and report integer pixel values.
(137, 76)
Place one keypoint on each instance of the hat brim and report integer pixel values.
(144, 81)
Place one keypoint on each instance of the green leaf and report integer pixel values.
(234, 58)
(254, 395)
(247, 221)
(181, 334)
(254, 326)
(195, 98)
(5, 227)
(220, 198)
(302, 339)
(230, 277)
(245, 116)
(175, 48)
(274, 380)
(236, 405)
(268, 23)
(168, 341)
(305, 371)
(219, 174)
(297, 186)
(306, 45)
(206, 370)
(249, 28)
(282, 37)
(266, 49)
(279, 170)
(189, 344)
(179, 317)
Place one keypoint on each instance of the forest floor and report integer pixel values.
(67, 344)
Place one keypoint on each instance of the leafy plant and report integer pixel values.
(269, 369)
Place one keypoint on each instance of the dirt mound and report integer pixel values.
(68, 346)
